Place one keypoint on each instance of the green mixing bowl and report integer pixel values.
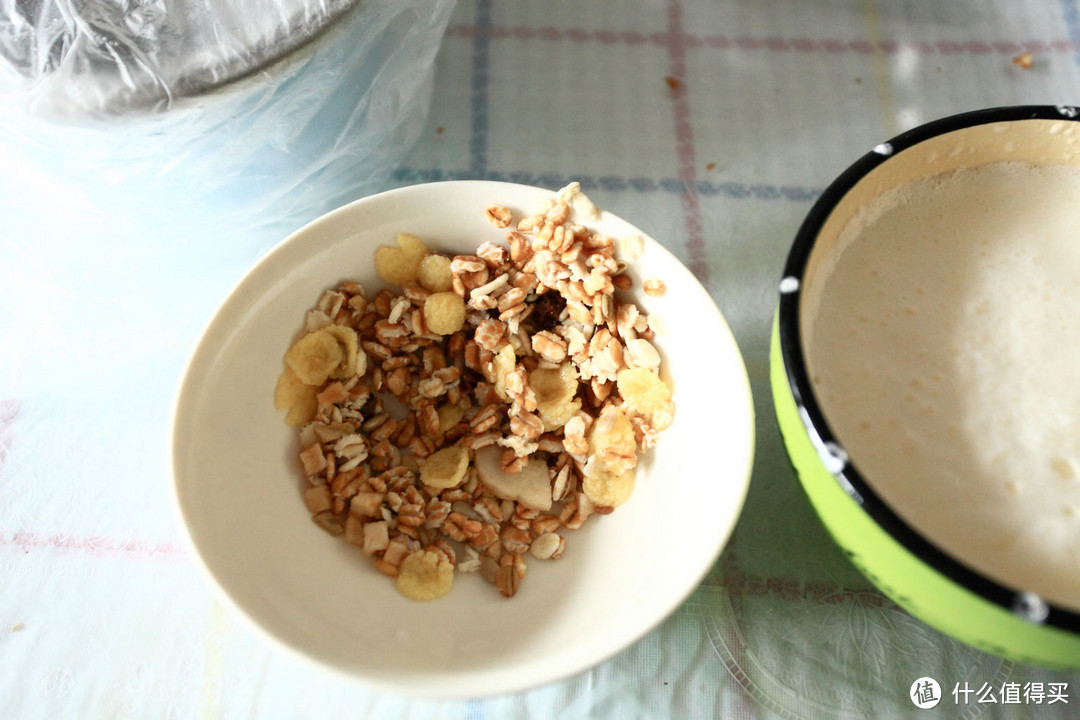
(905, 565)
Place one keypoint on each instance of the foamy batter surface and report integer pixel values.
(945, 353)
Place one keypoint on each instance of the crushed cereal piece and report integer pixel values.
(499, 216)
(654, 287)
(1024, 60)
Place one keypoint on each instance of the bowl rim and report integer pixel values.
(823, 438)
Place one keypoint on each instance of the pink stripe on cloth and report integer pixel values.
(95, 546)
(574, 35)
(9, 411)
(771, 43)
(684, 143)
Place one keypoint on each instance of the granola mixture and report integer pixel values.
(491, 404)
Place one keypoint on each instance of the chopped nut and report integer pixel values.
(317, 498)
(313, 459)
(366, 504)
(376, 537)
(354, 530)
(396, 551)
(330, 522)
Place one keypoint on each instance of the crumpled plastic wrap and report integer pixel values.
(151, 150)
(103, 58)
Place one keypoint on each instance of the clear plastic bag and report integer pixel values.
(149, 151)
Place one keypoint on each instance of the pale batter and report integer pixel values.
(945, 353)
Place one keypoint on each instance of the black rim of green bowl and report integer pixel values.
(1023, 604)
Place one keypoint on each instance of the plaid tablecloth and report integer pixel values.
(713, 126)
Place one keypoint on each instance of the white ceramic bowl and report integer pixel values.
(237, 492)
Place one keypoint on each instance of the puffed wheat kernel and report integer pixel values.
(425, 575)
(607, 490)
(642, 390)
(299, 399)
(399, 265)
(445, 468)
(314, 357)
(444, 313)
(434, 273)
